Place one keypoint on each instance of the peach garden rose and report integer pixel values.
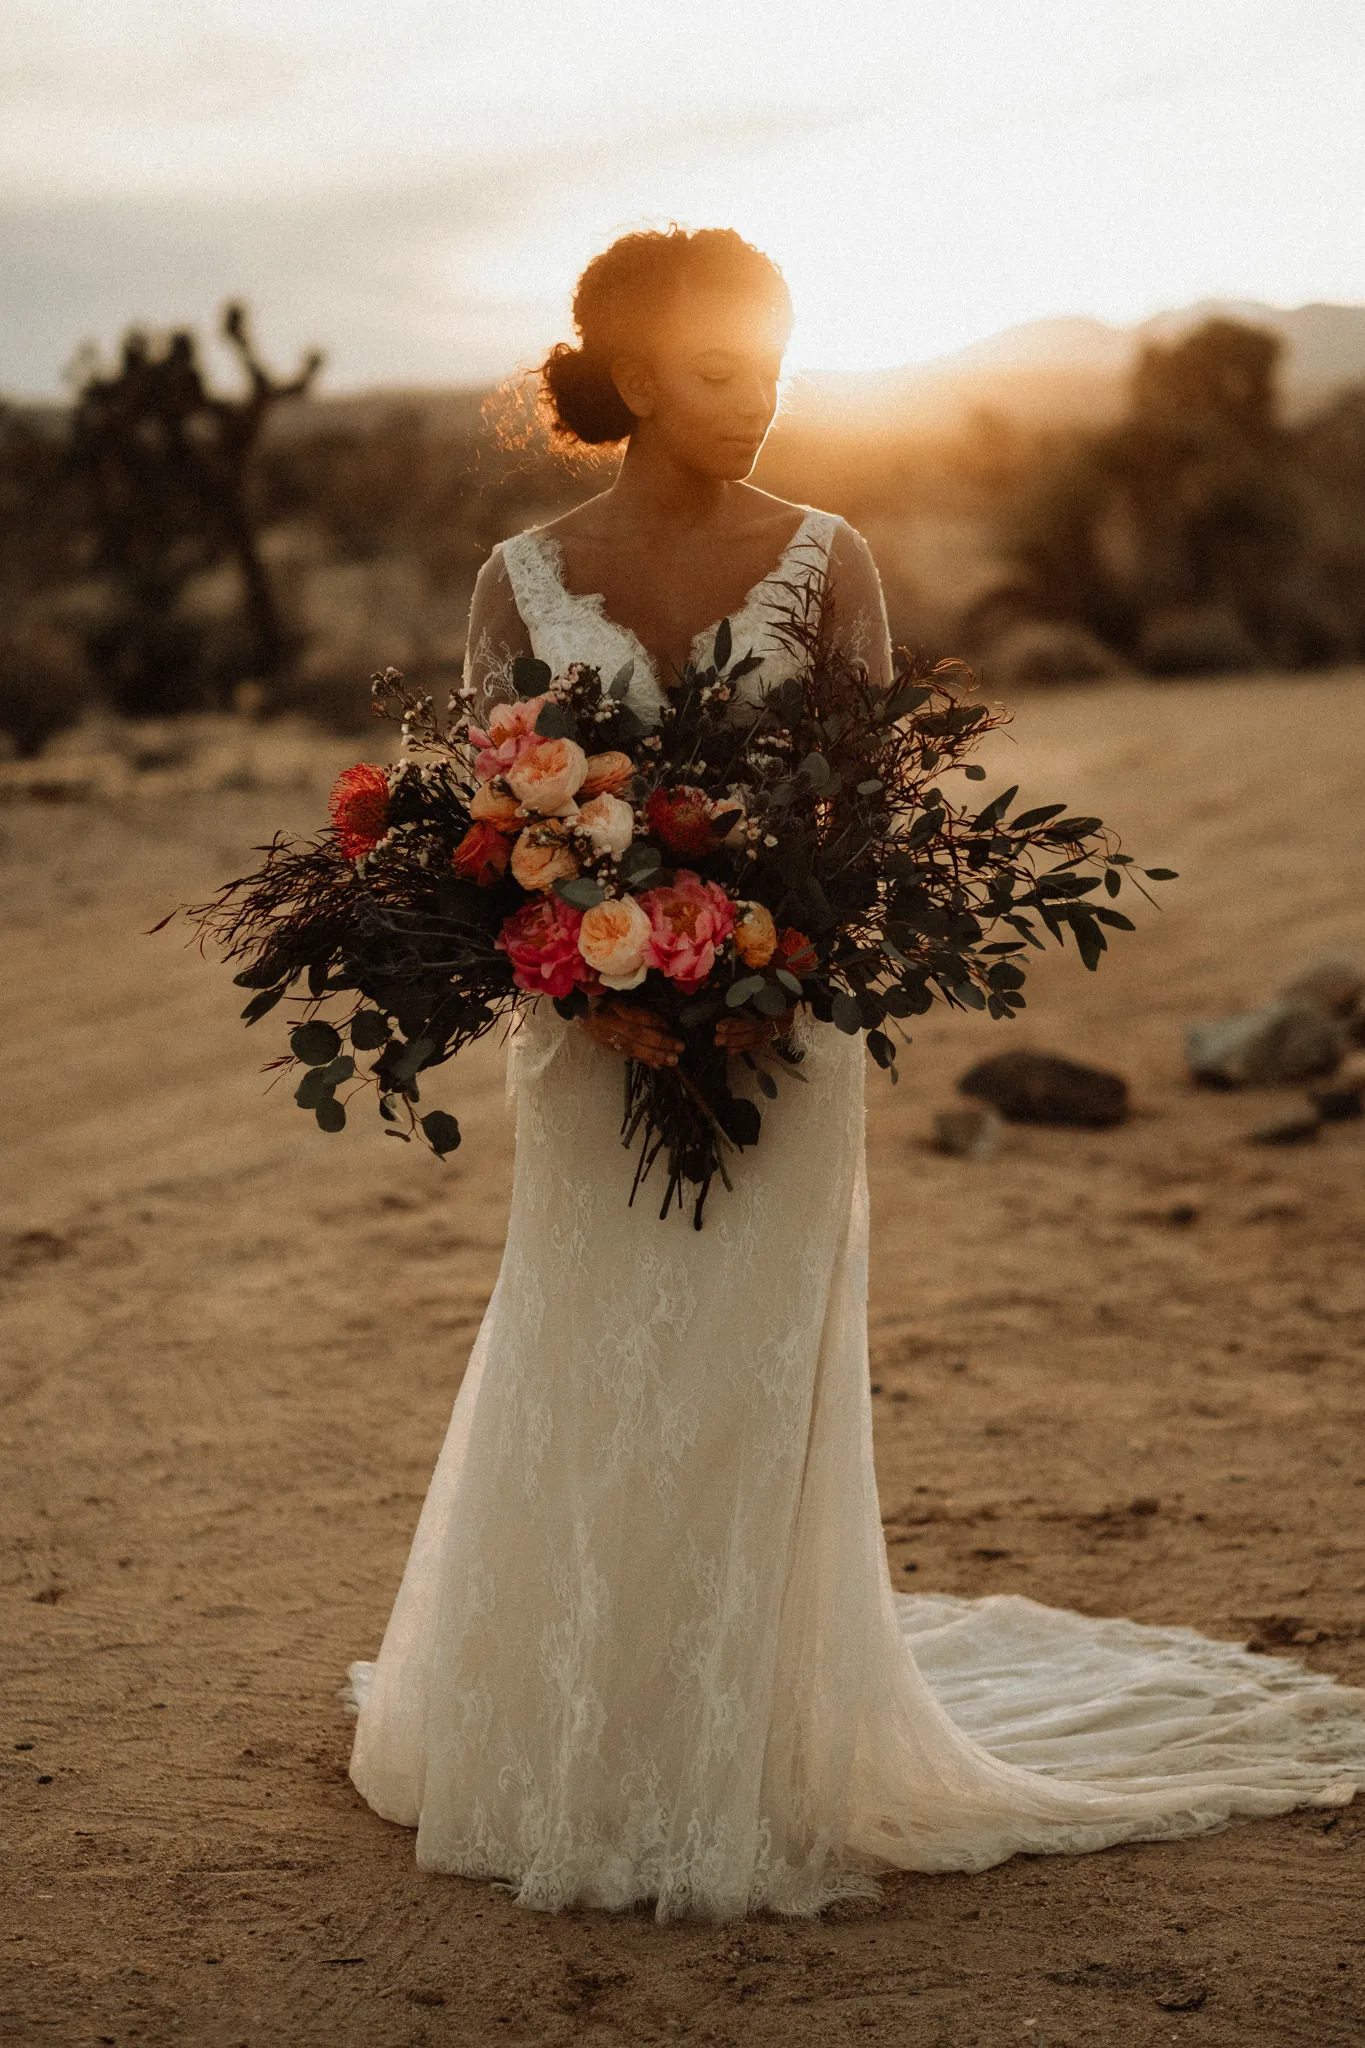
(548, 776)
(542, 856)
(613, 938)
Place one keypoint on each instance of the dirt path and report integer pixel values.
(230, 1347)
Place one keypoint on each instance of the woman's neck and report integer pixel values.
(656, 493)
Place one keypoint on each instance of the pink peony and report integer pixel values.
(511, 732)
(542, 944)
(688, 920)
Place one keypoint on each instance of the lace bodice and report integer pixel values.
(523, 605)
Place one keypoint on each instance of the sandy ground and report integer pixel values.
(231, 1346)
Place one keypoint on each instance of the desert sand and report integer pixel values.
(1121, 1371)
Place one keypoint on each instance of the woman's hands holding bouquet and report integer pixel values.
(638, 1034)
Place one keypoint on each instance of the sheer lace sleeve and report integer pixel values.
(497, 635)
(855, 610)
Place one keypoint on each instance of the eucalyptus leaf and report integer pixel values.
(770, 1001)
(529, 676)
(313, 1088)
(788, 981)
(740, 991)
(441, 1130)
(369, 1030)
(847, 1015)
(723, 642)
(257, 1007)
(620, 682)
(331, 1114)
(581, 891)
(314, 1043)
(766, 1083)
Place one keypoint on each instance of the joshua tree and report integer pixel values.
(166, 467)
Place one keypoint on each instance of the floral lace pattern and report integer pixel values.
(646, 1645)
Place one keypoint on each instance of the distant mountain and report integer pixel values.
(1074, 370)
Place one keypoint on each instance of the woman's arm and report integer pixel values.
(497, 635)
(854, 617)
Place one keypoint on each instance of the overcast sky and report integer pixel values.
(415, 184)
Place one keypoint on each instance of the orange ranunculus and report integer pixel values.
(542, 856)
(482, 855)
(359, 805)
(494, 806)
(755, 935)
(608, 774)
(796, 953)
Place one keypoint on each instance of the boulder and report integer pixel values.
(1198, 640)
(1278, 1045)
(1335, 984)
(1050, 651)
(1042, 1088)
(968, 1133)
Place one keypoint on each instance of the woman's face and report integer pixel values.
(707, 391)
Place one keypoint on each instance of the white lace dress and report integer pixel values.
(646, 1646)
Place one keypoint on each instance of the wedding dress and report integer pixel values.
(646, 1646)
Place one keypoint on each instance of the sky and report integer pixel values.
(414, 186)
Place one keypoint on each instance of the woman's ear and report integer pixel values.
(634, 380)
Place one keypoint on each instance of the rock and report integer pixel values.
(1041, 1088)
(1341, 1104)
(1274, 1046)
(1290, 1130)
(968, 1133)
(1198, 640)
(1334, 984)
(1050, 651)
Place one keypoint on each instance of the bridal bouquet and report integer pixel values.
(737, 857)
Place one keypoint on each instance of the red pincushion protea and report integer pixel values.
(359, 805)
(680, 819)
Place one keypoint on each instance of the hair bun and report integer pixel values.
(583, 402)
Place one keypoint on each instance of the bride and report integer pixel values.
(646, 1645)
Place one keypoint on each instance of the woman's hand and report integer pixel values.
(746, 1034)
(630, 1029)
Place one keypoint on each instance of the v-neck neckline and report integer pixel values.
(595, 600)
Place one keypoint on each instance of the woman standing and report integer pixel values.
(646, 1646)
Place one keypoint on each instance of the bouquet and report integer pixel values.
(738, 857)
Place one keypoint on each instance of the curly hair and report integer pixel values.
(620, 299)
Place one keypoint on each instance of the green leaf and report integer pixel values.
(330, 1114)
(815, 769)
(788, 981)
(442, 1131)
(258, 1005)
(388, 1109)
(974, 773)
(640, 860)
(556, 722)
(1026, 820)
(722, 648)
(881, 1048)
(408, 1061)
(871, 788)
(766, 1083)
(336, 1071)
(1112, 882)
(741, 990)
(314, 1043)
(1090, 940)
(312, 1089)
(1115, 918)
(770, 1001)
(1075, 828)
(620, 682)
(847, 1015)
(1162, 874)
(581, 891)
(369, 1030)
(529, 676)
